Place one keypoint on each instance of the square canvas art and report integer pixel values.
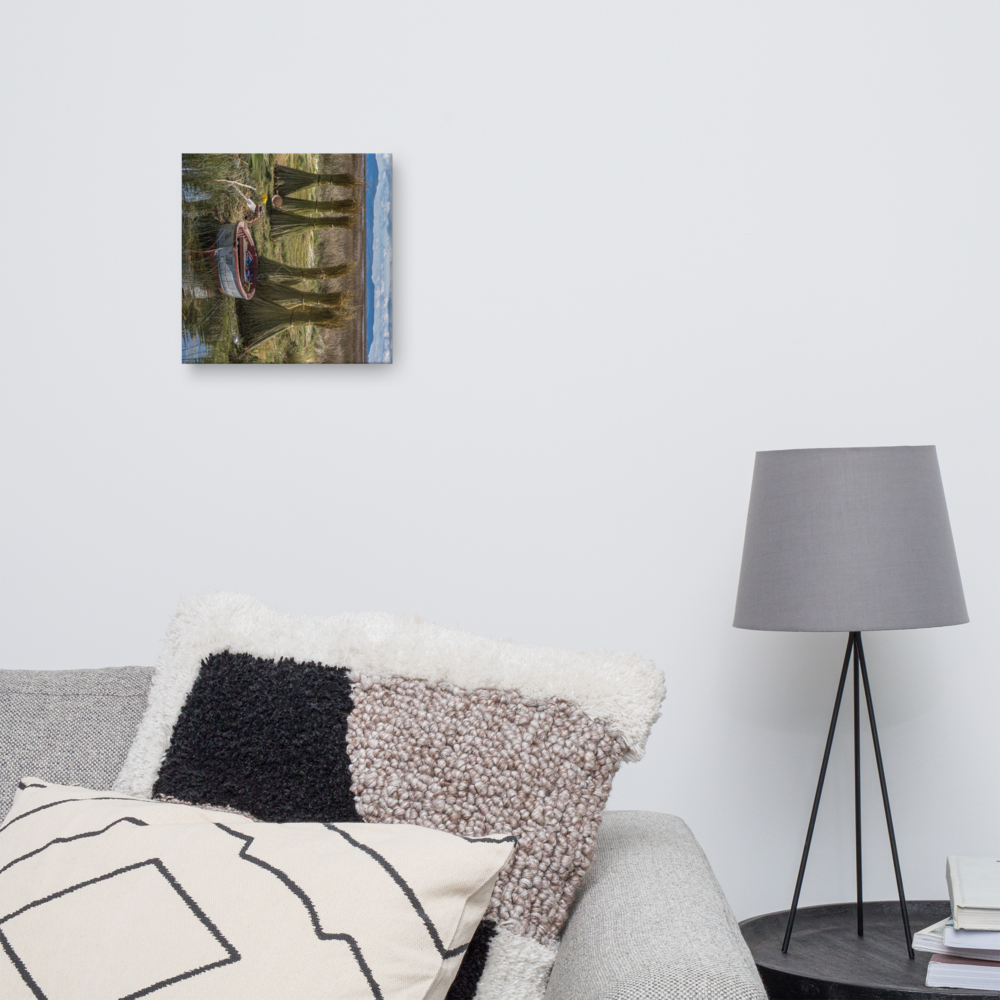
(286, 258)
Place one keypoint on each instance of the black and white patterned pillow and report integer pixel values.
(106, 897)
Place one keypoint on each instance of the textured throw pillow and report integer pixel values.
(104, 897)
(388, 719)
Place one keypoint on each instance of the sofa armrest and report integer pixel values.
(650, 921)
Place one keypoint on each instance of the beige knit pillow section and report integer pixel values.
(474, 761)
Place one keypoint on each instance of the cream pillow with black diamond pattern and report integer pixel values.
(105, 897)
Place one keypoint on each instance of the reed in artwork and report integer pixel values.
(287, 223)
(308, 205)
(275, 270)
(258, 320)
(275, 291)
(288, 179)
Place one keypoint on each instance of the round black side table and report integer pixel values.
(827, 959)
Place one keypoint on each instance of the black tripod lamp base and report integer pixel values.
(855, 650)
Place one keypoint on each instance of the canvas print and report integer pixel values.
(286, 258)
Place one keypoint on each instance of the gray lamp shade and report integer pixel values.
(848, 539)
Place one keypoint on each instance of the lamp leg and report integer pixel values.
(857, 783)
(885, 800)
(819, 792)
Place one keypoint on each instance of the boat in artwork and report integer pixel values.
(234, 261)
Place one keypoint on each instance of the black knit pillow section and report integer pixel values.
(265, 737)
(467, 981)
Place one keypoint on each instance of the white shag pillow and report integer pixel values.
(105, 897)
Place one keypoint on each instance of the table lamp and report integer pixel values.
(849, 540)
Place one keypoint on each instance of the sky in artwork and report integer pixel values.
(379, 258)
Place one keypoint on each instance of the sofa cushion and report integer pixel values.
(72, 727)
(106, 896)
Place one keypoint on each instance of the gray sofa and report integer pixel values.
(650, 920)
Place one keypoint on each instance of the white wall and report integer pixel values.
(634, 244)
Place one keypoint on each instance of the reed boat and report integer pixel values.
(234, 261)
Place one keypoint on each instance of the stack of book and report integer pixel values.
(965, 947)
